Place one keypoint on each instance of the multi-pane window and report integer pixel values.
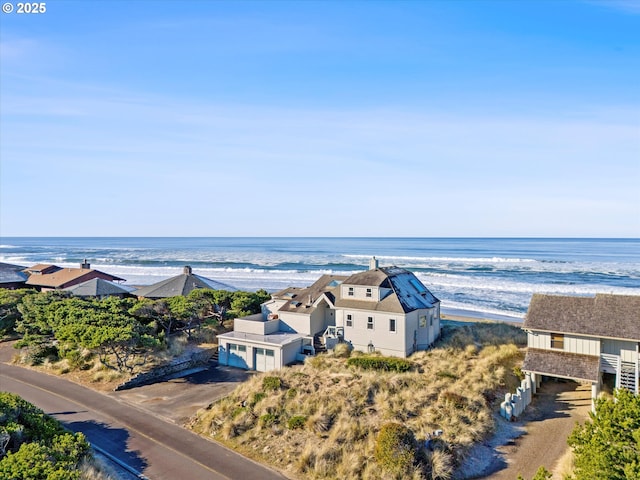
(557, 341)
(349, 321)
(369, 323)
(392, 324)
(368, 293)
(350, 292)
(423, 321)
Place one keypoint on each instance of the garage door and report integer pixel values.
(265, 360)
(237, 355)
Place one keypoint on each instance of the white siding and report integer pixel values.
(582, 345)
(389, 343)
(539, 340)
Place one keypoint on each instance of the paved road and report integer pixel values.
(157, 448)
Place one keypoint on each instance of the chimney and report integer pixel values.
(85, 265)
(187, 270)
(373, 263)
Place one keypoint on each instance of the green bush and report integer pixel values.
(395, 449)
(271, 383)
(268, 419)
(36, 354)
(292, 392)
(297, 421)
(385, 364)
(256, 398)
(608, 445)
(36, 446)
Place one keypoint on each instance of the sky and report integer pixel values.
(321, 118)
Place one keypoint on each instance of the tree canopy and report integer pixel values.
(608, 445)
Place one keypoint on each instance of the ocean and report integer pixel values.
(483, 277)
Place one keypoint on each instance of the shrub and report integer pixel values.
(292, 392)
(342, 350)
(268, 419)
(395, 448)
(36, 354)
(297, 421)
(447, 374)
(606, 446)
(256, 398)
(271, 383)
(386, 364)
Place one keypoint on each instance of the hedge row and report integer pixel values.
(386, 364)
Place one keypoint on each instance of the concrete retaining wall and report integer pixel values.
(195, 359)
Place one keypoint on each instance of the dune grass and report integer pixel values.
(323, 418)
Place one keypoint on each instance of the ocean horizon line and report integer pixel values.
(325, 237)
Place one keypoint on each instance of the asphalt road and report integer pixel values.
(156, 448)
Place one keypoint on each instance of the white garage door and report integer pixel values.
(265, 360)
(237, 355)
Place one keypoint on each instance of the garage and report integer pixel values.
(264, 360)
(237, 355)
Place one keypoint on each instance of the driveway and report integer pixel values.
(180, 396)
(544, 429)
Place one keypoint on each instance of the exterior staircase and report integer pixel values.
(318, 344)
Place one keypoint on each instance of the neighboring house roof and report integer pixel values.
(181, 284)
(41, 268)
(304, 300)
(52, 276)
(605, 315)
(406, 292)
(12, 273)
(562, 364)
(97, 287)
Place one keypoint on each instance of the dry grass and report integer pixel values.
(455, 388)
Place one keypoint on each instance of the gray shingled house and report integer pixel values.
(182, 284)
(99, 288)
(12, 276)
(584, 339)
(386, 309)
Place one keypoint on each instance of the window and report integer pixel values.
(557, 341)
(368, 293)
(349, 321)
(350, 293)
(369, 323)
(423, 321)
(392, 324)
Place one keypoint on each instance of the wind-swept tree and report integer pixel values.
(608, 444)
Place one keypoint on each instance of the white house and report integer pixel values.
(381, 309)
(584, 339)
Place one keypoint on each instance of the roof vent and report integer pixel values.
(187, 270)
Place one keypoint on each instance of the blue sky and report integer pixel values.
(311, 118)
